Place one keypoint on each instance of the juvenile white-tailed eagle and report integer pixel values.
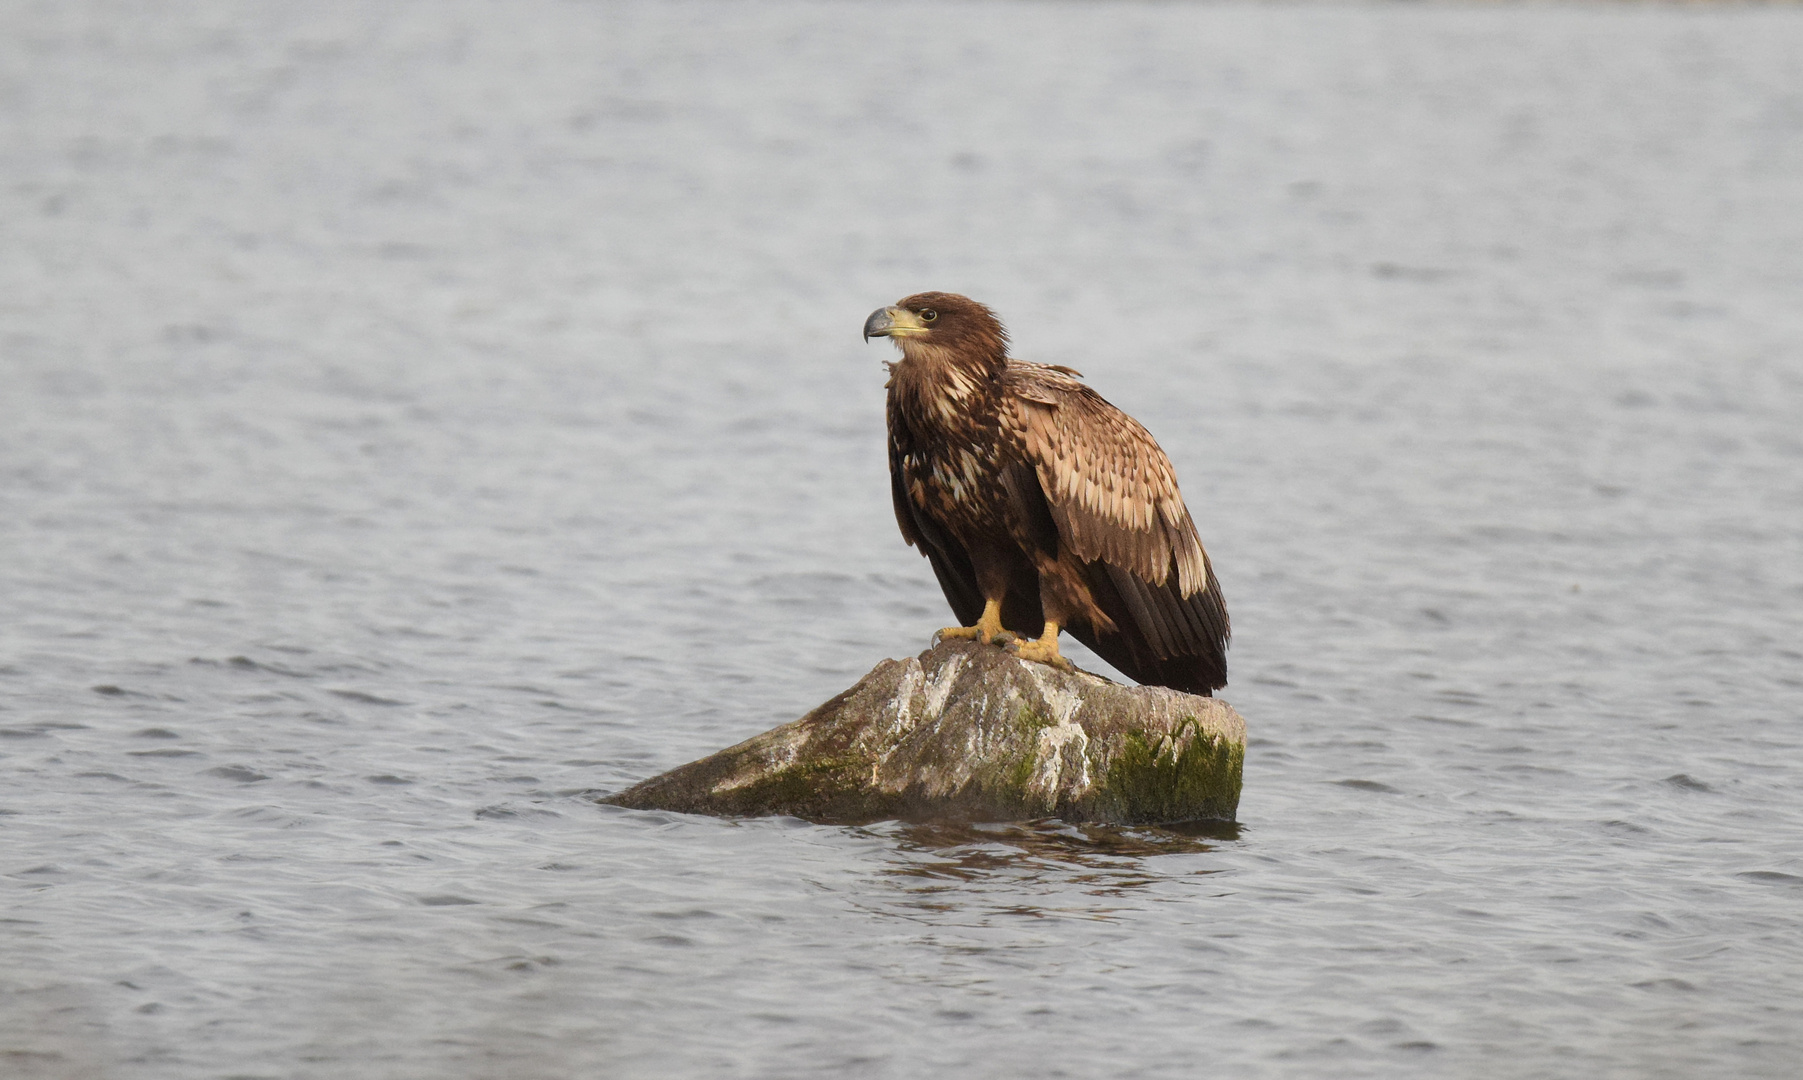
(1041, 506)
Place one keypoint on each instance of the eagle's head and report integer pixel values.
(940, 323)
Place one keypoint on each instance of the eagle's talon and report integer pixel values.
(987, 631)
(1044, 649)
(954, 633)
(972, 633)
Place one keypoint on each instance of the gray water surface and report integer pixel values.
(418, 418)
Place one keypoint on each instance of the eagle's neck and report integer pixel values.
(938, 388)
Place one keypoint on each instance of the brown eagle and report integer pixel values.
(1041, 506)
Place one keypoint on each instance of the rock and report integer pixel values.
(968, 732)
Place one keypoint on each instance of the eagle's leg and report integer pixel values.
(989, 626)
(1044, 649)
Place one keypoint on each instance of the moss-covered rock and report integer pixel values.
(968, 732)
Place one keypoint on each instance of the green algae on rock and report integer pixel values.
(968, 732)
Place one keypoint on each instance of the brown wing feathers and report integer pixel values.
(1117, 506)
(1110, 487)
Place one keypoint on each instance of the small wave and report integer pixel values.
(366, 699)
(238, 773)
(1770, 877)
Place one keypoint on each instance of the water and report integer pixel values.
(417, 418)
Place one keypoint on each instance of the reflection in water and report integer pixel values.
(1051, 839)
(947, 869)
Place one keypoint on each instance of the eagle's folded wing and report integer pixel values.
(1111, 490)
(1113, 495)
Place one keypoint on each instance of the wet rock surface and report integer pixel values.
(968, 732)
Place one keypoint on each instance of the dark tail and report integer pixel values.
(1161, 638)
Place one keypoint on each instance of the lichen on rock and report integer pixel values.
(968, 732)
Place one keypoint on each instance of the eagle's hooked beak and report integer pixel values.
(892, 322)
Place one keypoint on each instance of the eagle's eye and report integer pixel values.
(928, 315)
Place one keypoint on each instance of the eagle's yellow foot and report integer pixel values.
(988, 629)
(1044, 649)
